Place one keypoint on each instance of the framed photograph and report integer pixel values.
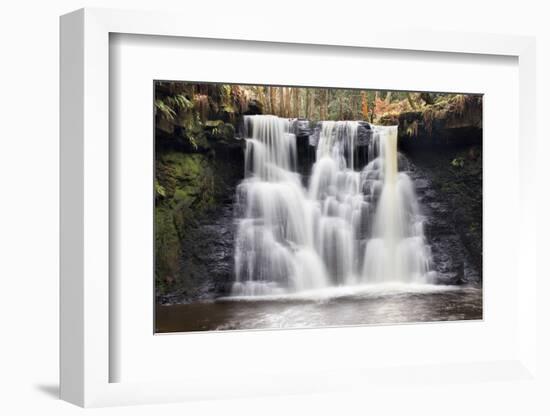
(247, 216)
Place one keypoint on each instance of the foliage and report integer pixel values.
(411, 129)
(364, 105)
(458, 162)
(188, 111)
(214, 123)
(448, 107)
(159, 190)
(198, 113)
(180, 102)
(165, 110)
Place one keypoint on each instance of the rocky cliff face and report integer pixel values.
(449, 184)
(194, 229)
(195, 187)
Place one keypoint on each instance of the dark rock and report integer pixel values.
(315, 135)
(194, 221)
(422, 184)
(364, 133)
(449, 210)
(207, 257)
(254, 107)
(301, 127)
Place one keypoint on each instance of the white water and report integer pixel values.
(360, 291)
(345, 228)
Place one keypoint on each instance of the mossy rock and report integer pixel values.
(185, 187)
(167, 249)
(184, 165)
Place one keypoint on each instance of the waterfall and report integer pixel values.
(346, 227)
(396, 249)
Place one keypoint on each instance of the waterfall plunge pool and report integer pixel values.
(387, 303)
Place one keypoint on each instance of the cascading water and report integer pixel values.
(345, 228)
(396, 249)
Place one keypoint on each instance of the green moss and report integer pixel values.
(167, 249)
(183, 198)
(188, 185)
(183, 165)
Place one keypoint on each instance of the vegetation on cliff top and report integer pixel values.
(191, 112)
(438, 113)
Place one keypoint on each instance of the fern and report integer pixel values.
(214, 123)
(166, 111)
(181, 102)
(458, 162)
(193, 128)
(411, 129)
(159, 189)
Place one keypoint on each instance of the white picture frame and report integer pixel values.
(85, 221)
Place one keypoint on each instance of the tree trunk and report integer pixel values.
(261, 98)
(411, 101)
(364, 105)
(311, 103)
(281, 101)
(288, 102)
(296, 103)
(272, 99)
(321, 104)
(373, 113)
(354, 106)
(308, 93)
(326, 104)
